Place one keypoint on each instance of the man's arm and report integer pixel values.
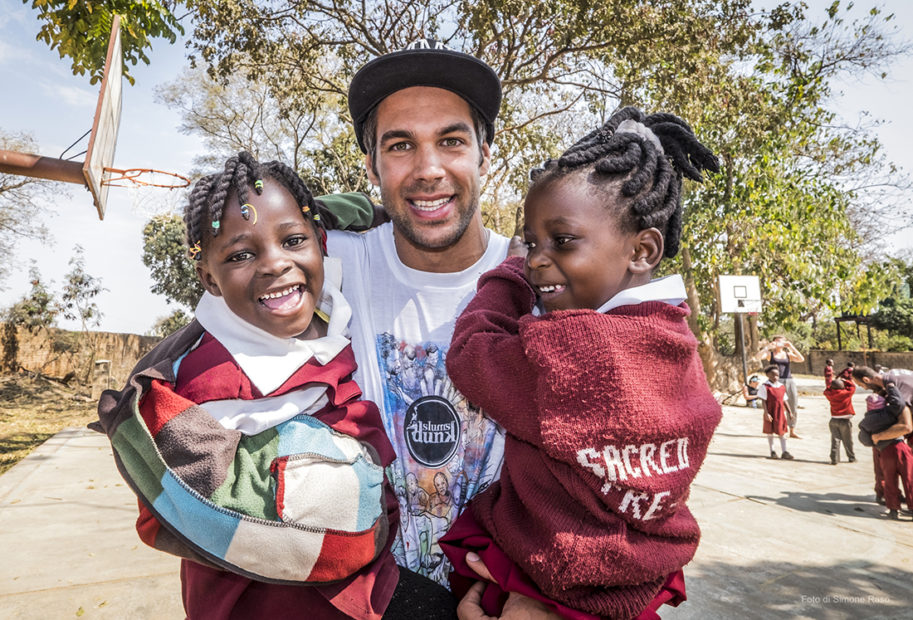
(903, 427)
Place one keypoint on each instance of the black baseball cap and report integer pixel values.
(425, 62)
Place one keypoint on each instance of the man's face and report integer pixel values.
(428, 164)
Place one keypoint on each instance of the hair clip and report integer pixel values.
(215, 226)
(258, 185)
(245, 211)
(305, 209)
(316, 217)
(194, 251)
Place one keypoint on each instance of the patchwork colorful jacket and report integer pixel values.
(303, 502)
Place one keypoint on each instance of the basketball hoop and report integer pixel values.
(96, 172)
(144, 177)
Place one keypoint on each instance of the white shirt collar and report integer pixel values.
(670, 290)
(269, 361)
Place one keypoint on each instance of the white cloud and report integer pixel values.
(74, 96)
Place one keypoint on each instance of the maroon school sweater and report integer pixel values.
(608, 418)
(841, 400)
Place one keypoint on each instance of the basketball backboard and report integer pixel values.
(103, 138)
(740, 294)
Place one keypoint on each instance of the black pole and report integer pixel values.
(742, 343)
(839, 343)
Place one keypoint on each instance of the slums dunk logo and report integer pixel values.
(432, 430)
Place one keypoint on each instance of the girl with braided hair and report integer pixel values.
(590, 367)
(243, 434)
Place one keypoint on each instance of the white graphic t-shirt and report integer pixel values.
(402, 321)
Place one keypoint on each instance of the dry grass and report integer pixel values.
(32, 409)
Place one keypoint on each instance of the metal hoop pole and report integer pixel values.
(37, 166)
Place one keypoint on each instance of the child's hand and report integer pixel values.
(516, 607)
(517, 247)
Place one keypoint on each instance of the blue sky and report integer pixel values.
(46, 100)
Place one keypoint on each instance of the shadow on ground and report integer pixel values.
(786, 589)
(828, 503)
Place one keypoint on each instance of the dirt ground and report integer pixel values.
(33, 408)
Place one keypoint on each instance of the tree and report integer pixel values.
(556, 59)
(33, 311)
(242, 113)
(80, 30)
(169, 324)
(23, 201)
(165, 254)
(79, 291)
(789, 204)
(895, 315)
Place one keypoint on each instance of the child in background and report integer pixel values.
(750, 392)
(776, 408)
(839, 394)
(884, 407)
(243, 433)
(828, 372)
(598, 456)
(847, 373)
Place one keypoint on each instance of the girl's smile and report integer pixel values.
(268, 270)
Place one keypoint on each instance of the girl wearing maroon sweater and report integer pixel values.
(589, 515)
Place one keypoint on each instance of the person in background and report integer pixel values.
(886, 420)
(776, 410)
(839, 394)
(782, 353)
(750, 392)
(828, 372)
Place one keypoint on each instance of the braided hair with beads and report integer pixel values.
(241, 173)
(649, 154)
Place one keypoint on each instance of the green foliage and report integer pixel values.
(895, 315)
(79, 291)
(797, 202)
(785, 206)
(165, 254)
(169, 324)
(33, 311)
(36, 309)
(80, 29)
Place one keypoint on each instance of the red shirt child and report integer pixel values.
(839, 394)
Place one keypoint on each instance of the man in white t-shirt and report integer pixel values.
(424, 117)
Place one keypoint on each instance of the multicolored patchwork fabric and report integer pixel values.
(298, 503)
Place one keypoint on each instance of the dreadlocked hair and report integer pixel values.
(652, 176)
(241, 174)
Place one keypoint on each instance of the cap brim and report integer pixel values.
(465, 75)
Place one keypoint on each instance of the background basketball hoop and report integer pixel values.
(97, 173)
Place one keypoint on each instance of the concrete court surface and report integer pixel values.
(800, 539)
